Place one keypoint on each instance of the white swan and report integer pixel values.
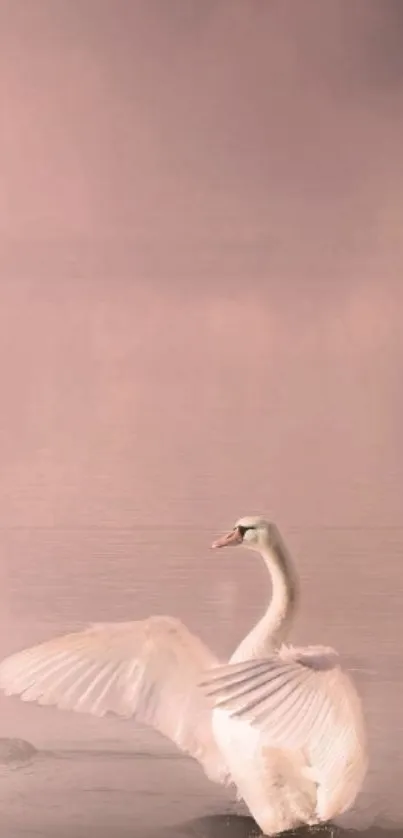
(290, 725)
(296, 746)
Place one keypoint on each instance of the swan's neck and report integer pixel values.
(273, 628)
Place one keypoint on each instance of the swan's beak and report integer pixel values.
(233, 537)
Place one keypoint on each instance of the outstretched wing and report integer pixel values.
(147, 670)
(302, 701)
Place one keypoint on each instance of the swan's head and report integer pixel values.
(252, 531)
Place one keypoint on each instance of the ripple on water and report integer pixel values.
(240, 826)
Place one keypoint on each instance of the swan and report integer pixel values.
(289, 723)
(284, 724)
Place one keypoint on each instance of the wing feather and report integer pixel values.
(147, 670)
(302, 701)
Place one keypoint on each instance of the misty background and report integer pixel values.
(200, 218)
(200, 317)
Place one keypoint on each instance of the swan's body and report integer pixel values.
(291, 731)
(286, 724)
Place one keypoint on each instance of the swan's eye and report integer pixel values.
(243, 530)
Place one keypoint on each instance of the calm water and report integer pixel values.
(113, 778)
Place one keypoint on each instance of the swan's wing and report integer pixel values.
(147, 670)
(302, 701)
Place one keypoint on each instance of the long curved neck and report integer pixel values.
(272, 629)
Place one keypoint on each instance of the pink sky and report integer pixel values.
(200, 262)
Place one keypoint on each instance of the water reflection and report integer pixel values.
(239, 826)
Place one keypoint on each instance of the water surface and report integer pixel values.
(110, 774)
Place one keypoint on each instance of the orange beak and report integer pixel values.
(231, 538)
